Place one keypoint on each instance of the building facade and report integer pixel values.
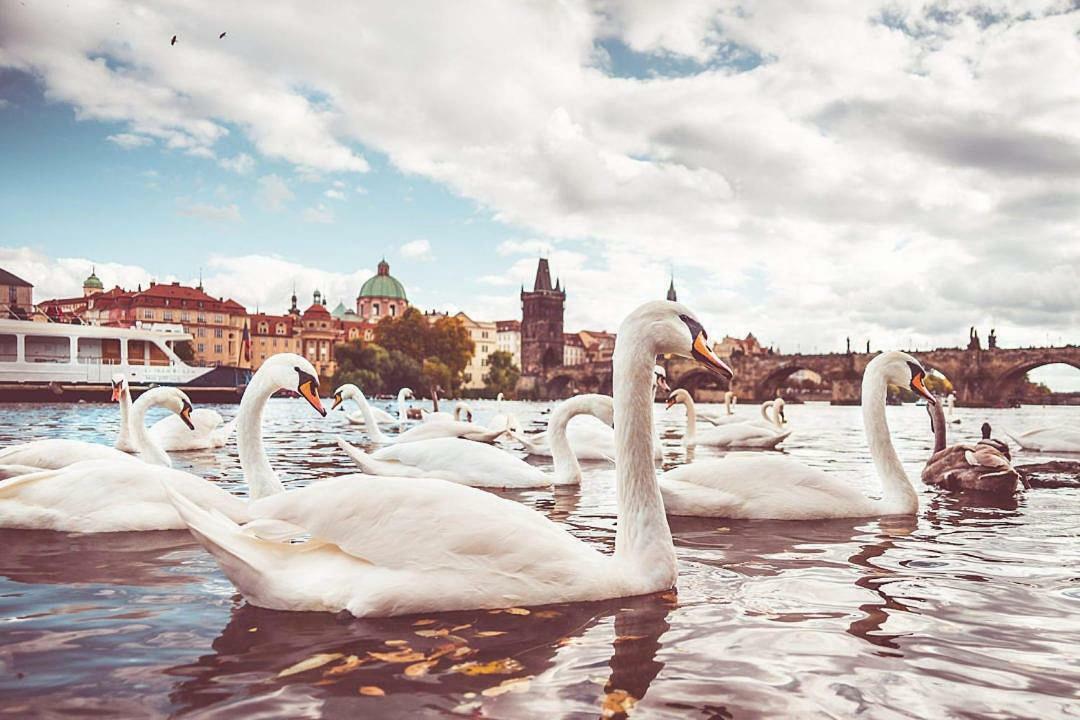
(542, 311)
(485, 341)
(573, 349)
(272, 334)
(508, 338)
(16, 297)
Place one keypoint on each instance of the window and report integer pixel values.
(375, 310)
(8, 348)
(200, 332)
(264, 328)
(274, 342)
(148, 314)
(219, 319)
(218, 333)
(168, 316)
(322, 325)
(281, 328)
(393, 310)
(202, 348)
(202, 316)
(43, 349)
(185, 316)
(484, 334)
(218, 349)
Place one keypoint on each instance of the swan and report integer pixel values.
(112, 496)
(56, 453)
(999, 445)
(770, 410)
(1048, 439)
(776, 487)
(978, 468)
(502, 420)
(357, 418)
(171, 433)
(382, 547)
(730, 435)
(423, 431)
(403, 409)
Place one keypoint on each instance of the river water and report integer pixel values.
(967, 610)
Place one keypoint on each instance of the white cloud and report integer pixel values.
(215, 213)
(361, 190)
(319, 214)
(241, 164)
(129, 141)
(417, 250)
(273, 193)
(334, 194)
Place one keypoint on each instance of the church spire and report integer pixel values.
(671, 294)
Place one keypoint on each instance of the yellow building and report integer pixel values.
(485, 341)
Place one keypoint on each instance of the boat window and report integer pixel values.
(136, 352)
(158, 356)
(8, 348)
(43, 349)
(99, 351)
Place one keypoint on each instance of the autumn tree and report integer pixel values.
(502, 375)
(445, 340)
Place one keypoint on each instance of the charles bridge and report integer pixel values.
(980, 377)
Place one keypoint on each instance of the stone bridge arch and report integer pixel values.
(1009, 378)
(697, 379)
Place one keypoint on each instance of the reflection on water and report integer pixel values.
(970, 609)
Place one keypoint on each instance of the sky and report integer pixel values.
(891, 171)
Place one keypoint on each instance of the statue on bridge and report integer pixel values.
(991, 341)
(973, 339)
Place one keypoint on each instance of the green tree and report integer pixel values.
(361, 364)
(937, 384)
(435, 374)
(445, 340)
(502, 374)
(449, 341)
(399, 370)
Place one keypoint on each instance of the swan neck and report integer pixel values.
(148, 450)
(369, 417)
(567, 468)
(898, 496)
(643, 537)
(727, 403)
(261, 479)
(938, 417)
(401, 407)
(123, 439)
(765, 407)
(691, 417)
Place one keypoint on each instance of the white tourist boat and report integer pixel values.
(58, 354)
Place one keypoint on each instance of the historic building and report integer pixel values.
(671, 294)
(272, 334)
(573, 349)
(484, 336)
(16, 297)
(508, 338)
(381, 296)
(542, 311)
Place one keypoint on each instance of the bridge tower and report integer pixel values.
(542, 323)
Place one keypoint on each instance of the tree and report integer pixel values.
(445, 340)
(399, 370)
(435, 374)
(361, 365)
(502, 375)
(937, 383)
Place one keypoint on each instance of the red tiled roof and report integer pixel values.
(317, 309)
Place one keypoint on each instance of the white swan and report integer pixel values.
(423, 431)
(768, 410)
(379, 546)
(357, 418)
(502, 420)
(1048, 439)
(567, 471)
(171, 433)
(730, 435)
(402, 408)
(775, 487)
(124, 496)
(56, 453)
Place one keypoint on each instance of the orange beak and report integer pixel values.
(704, 354)
(185, 415)
(337, 401)
(116, 393)
(917, 386)
(310, 392)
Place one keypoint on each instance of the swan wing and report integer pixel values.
(464, 461)
(56, 453)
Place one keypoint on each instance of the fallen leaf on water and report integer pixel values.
(490, 633)
(462, 652)
(495, 667)
(459, 628)
(511, 685)
(325, 682)
(396, 643)
(420, 669)
(723, 529)
(254, 629)
(310, 663)
(420, 623)
(545, 614)
(406, 655)
(517, 611)
(628, 638)
(372, 691)
(617, 702)
(433, 633)
(351, 663)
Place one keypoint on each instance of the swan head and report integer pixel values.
(679, 395)
(661, 378)
(287, 371)
(673, 329)
(176, 401)
(499, 397)
(406, 393)
(119, 385)
(778, 408)
(900, 369)
(348, 390)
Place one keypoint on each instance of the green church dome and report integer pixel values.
(93, 282)
(383, 284)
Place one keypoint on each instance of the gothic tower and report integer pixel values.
(542, 323)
